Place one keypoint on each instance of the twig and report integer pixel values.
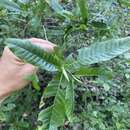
(45, 33)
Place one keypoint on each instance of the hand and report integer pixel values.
(13, 70)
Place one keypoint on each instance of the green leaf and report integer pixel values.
(54, 117)
(44, 116)
(65, 74)
(83, 6)
(69, 100)
(63, 106)
(103, 51)
(100, 25)
(54, 4)
(106, 87)
(51, 89)
(87, 71)
(33, 54)
(124, 2)
(35, 81)
(9, 5)
(58, 111)
(127, 55)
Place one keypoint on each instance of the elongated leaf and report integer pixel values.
(58, 111)
(87, 71)
(83, 6)
(99, 25)
(9, 5)
(44, 117)
(55, 116)
(103, 51)
(69, 100)
(35, 81)
(51, 89)
(54, 4)
(65, 74)
(62, 107)
(32, 54)
(124, 2)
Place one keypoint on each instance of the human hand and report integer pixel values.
(14, 70)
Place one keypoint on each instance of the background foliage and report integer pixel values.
(101, 102)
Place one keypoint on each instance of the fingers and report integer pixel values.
(38, 40)
(46, 45)
(9, 56)
(29, 69)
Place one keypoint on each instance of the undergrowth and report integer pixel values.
(80, 89)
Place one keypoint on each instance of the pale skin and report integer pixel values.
(13, 70)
